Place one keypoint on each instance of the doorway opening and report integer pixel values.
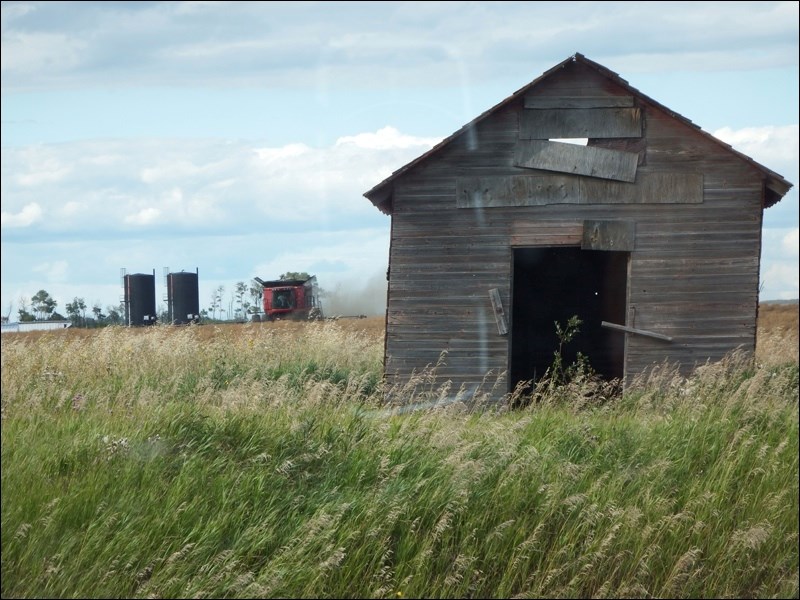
(552, 284)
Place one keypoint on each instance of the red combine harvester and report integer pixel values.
(294, 299)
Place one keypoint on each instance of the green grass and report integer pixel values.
(159, 464)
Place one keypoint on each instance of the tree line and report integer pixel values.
(244, 301)
(42, 307)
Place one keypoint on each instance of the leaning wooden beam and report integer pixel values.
(499, 313)
(644, 332)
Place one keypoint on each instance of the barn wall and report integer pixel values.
(693, 270)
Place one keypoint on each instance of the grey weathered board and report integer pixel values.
(540, 190)
(580, 123)
(578, 101)
(485, 192)
(499, 313)
(625, 328)
(577, 160)
(609, 235)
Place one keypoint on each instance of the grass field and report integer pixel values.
(259, 460)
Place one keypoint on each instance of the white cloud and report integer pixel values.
(40, 52)
(199, 185)
(73, 208)
(210, 184)
(385, 139)
(779, 263)
(268, 155)
(28, 215)
(53, 272)
(41, 165)
(169, 171)
(771, 145)
(420, 43)
(781, 281)
(791, 243)
(146, 216)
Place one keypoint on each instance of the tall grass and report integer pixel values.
(266, 464)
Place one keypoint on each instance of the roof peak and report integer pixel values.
(380, 195)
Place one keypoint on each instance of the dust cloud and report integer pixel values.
(366, 297)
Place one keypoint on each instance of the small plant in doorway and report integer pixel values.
(576, 384)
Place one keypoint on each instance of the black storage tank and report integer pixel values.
(183, 298)
(140, 299)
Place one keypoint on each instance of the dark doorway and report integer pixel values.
(555, 283)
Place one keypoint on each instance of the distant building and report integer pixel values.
(22, 327)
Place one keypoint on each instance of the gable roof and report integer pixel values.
(381, 194)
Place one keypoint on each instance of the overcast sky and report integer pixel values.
(237, 139)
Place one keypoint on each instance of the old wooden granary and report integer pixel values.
(650, 233)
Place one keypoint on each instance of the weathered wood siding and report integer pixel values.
(694, 266)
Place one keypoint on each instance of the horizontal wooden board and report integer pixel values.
(542, 190)
(636, 146)
(650, 188)
(535, 101)
(486, 192)
(577, 160)
(580, 123)
(617, 236)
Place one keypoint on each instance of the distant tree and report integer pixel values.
(97, 310)
(295, 275)
(240, 290)
(74, 310)
(256, 293)
(83, 311)
(25, 316)
(114, 314)
(216, 300)
(57, 316)
(43, 305)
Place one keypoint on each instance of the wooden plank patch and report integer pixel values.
(486, 192)
(650, 188)
(577, 160)
(580, 123)
(545, 233)
(608, 235)
(541, 190)
(578, 101)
